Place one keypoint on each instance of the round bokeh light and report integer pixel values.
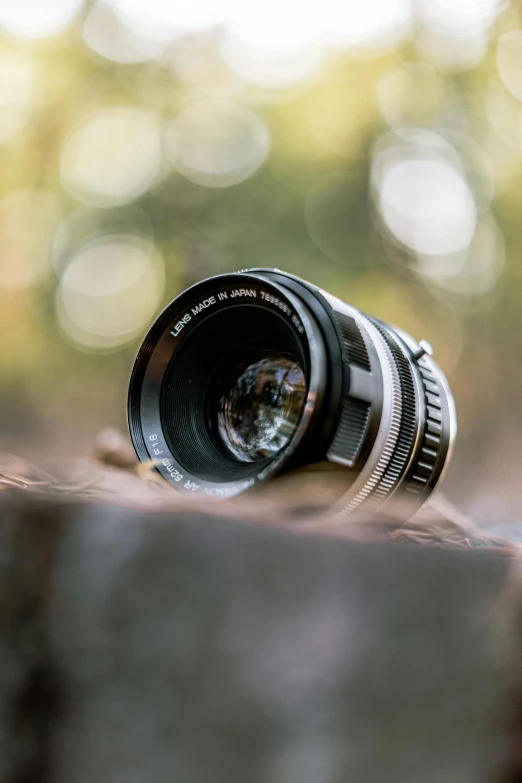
(112, 157)
(423, 196)
(109, 291)
(217, 143)
(37, 18)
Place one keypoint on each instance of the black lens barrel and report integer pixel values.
(375, 403)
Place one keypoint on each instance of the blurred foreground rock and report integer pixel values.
(146, 648)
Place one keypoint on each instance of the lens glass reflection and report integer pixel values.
(259, 405)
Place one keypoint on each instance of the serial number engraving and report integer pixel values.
(297, 323)
(277, 302)
(284, 308)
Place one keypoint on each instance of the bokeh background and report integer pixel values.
(373, 147)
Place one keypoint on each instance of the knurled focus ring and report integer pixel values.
(386, 445)
(408, 428)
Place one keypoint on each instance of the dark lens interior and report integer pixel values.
(233, 393)
(260, 395)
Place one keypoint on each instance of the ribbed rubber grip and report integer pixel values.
(353, 343)
(351, 431)
(355, 413)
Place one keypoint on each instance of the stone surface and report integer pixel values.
(146, 648)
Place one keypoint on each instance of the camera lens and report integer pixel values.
(250, 375)
(260, 405)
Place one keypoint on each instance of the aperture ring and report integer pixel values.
(423, 469)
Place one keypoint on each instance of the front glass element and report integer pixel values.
(259, 406)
